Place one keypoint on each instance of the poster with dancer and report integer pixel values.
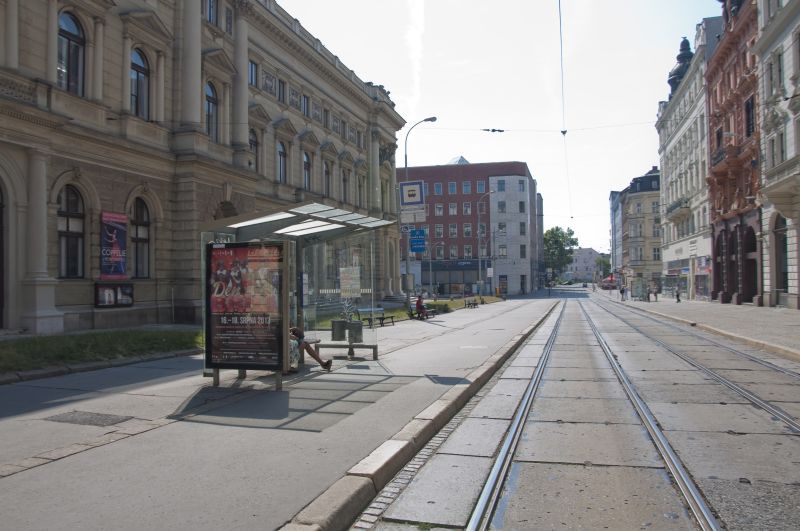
(244, 305)
(113, 246)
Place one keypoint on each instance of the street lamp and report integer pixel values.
(480, 272)
(430, 266)
(408, 243)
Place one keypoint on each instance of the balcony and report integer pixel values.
(679, 210)
(781, 186)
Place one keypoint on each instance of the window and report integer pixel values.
(482, 230)
(452, 188)
(523, 251)
(522, 228)
(252, 73)
(466, 187)
(427, 230)
(212, 127)
(749, 117)
(327, 175)
(482, 249)
(71, 44)
(439, 230)
(521, 185)
(326, 118)
(306, 171)
(345, 184)
(468, 230)
(467, 208)
(140, 239)
(522, 207)
(654, 207)
(502, 250)
(140, 85)
(656, 231)
(440, 252)
(253, 140)
(229, 21)
(468, 252)
(501, 229)
(480, 187)
(501, 207)
(439, 209)
(453, 233)
(437, 188)
(481, 207)
(281, 169)
(453, 252)
(501, 185)
(360, 191)
(452, 209)
(638, 208)
(656, 253)
(282, 91)
(211, 11)
(344, 130)
(305, 106)
(70, 233)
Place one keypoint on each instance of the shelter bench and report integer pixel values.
(422, 316)
(472, 303)
(349, 347)
(369, 314)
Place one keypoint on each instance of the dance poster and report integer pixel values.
(243, 305)
(113, 246)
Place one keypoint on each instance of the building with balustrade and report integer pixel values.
(126, 125)
(779, 57)
(734, 177)
(683, 152)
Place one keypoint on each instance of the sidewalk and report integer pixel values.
(153, 445)
(773, 329)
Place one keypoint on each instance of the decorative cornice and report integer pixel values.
(31, 118)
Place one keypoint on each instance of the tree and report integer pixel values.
(603, 266)
(558, 247)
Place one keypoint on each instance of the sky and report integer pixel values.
(480, 64)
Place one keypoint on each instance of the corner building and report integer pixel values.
(163, 116)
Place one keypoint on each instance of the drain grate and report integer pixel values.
(87, 418)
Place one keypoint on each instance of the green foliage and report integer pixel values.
(46, 351)
(604, 265)
(558, 247)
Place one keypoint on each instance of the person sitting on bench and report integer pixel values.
(422, 311)
(297, 334)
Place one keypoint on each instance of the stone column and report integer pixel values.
(294, 172)
(160, 84)
(52, 41)
(374, 184)
(224, 117)
(40, 314)
(12, 34)
(99, 47)
(126, 72)
(240, 90)
(393, 193)
(191, 73)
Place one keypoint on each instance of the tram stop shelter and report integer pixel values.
(308, 265)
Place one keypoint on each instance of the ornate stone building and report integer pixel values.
(153, 117)
(779, 90)
(683, 151)
(734, 169)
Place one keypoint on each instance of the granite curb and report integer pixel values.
(342, 503)
(69, 368)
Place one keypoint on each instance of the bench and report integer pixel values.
(431, 312)
(472, 303)
(369, 314)
(349, 346)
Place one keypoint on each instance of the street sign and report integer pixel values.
(418, 233)
(411, 195)
(417, 240)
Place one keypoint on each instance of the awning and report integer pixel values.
(304, 222)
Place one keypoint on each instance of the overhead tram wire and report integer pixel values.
(564, 108)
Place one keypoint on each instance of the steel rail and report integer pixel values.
(487, 501)
(785, 417)
(694, 498)
(643, 313)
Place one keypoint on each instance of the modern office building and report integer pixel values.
(126, 125)
(683, 152)
(779, 56)
(483, 228)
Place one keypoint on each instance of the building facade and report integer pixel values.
(584, 266)
(734, 180)
(615, 201)
(641, 234)
(779, 90)
(683, 153)
(482, 228)
(153, 118)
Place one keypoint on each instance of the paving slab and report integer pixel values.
(753, 505)
(597, 410)
(519, 373)
(581, 443)
(684, 377)
(443, 492)
(547, 496)
(738, 418)
(568, 373)
(775, 392)
(710, 393)
(767, 376)
(476, 437)
(580, 389)
(496, 407)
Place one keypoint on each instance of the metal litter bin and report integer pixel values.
(356, 331)
(339, 330)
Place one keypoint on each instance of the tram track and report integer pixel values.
(748, 395)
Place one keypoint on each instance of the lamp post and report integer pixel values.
(480, 272)
(408, 241)
(430, 266)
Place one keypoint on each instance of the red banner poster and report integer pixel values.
(243, 305)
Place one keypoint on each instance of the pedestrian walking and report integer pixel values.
(655, 294)
(677, 295)
(622, 293)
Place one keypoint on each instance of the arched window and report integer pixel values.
(140, 85)
(327, 170)
(70, 233)
(345, 184)
(254, 146)
(281, 162)
(140, 239)
(71, 43)
(212, 127)
(306, 171)
(360, 193)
